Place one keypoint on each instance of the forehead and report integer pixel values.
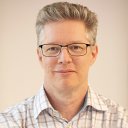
(64, 31)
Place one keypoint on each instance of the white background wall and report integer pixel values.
(20, 72)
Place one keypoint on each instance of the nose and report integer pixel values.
(64, 57)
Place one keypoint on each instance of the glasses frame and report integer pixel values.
(87, 45)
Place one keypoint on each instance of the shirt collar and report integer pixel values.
(95, 100)
(92, 99)
(41, 102)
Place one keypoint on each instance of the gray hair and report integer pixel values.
(67, 11)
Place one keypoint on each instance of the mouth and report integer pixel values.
(69, 71)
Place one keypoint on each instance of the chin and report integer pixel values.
(66, 84)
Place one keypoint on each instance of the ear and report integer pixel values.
(94, 53)
(39, 54)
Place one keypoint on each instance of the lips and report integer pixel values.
(65, 71)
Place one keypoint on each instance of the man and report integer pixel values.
(66, 50)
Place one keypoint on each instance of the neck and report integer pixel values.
(66, 102)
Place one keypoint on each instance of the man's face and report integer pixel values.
(65, 72)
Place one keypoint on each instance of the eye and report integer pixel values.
(76, 47)
(52, 49)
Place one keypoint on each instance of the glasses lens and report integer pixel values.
(77, 49)
(51, 49)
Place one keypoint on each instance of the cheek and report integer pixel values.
(49, 64)
(83, 64)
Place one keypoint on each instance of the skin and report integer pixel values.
(66, 76)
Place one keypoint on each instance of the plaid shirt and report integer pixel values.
(37, 112)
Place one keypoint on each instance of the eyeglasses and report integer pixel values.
(74, 49)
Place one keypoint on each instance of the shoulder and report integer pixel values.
(112, 106)
(111, 113)
(115, 112)
(16, 115)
